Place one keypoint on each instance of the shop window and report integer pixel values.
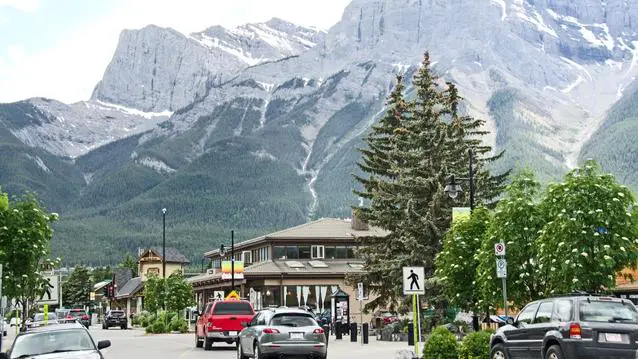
(279, 252)
(341, 252)
(292, 252)
(330, 252)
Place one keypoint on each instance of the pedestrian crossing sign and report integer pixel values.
(233, 296)
(413, 280)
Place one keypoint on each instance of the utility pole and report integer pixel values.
(164, 242)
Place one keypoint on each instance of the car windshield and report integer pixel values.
(293, 320)
(37, 343)
(607, 311)
(233, 308)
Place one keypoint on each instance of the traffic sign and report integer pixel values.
(413, 280)
(92, 296)
(218, 295)
(501, 268)
(499, 249)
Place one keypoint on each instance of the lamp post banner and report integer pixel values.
(226, 270)
(460, 214)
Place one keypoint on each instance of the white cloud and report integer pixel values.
(69, 69)
(21, 5)
(15, 53)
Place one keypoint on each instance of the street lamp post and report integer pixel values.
(222, 252)
(164, 242)
(453, 188)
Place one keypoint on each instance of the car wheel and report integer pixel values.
(256, 351)
(124, 327)
(208, 344)
(554, 352)
(498, 352)
(240, 352)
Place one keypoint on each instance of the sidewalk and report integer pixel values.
(345, 349)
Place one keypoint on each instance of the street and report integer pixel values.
(135, 343)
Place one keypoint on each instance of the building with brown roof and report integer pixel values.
(298, 266)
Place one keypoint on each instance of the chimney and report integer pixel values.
(140, 250)
(358, 224)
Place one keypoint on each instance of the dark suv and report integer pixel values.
(576, 326)
(115, 318)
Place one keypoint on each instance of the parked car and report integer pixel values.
(64, 316)
(80, 316)
(4, 326)
(220, 321)
(578, 326)
(70, 341)
(39, 320)
(15, 322)
(382, 318)
(115, 318)
(282, 332)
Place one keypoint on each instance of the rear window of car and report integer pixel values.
(40, 317)
(117, 313)
(78, 313)
(607, 311)
(233, 308)
(293, 320)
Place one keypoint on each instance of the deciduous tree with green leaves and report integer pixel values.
(457, 262)
(590, 235)
(154, 290)
(516, 222)
(25, 234)
(179, 293)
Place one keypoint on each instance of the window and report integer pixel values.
(232, 308)
(292, 252)
(341, 252)
(330, 252)
(152, 270)
(318, 252)
(351, 252)
(278, 252)
(293, 320)
(247, 257)
(563, 310)
(607, 311)
(304, 252)
(264, 255)
(526, 315)
(256, 319)
(544, 314)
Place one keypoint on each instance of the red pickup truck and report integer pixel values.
(221, 321)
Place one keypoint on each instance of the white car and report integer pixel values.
(14, 322)
(4, 326)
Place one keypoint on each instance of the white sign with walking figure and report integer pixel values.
(413, 280)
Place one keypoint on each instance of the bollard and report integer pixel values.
(364, 333)
(410, 333)
(353, 332)
(337, 329)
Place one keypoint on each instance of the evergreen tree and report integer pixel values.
(77, 289)
(406, 175)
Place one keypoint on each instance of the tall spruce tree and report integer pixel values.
(407, 171)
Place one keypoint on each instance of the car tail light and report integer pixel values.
(574, 331)
(70, 317)
(318, 331)
(270, 331)
(85, 317)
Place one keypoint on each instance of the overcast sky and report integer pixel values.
(60, 48)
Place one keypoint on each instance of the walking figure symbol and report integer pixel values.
(415, 280)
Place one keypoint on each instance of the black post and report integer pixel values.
(353, 332)
(364, 333)
(232, 259)
(164, 242)
(471, 179)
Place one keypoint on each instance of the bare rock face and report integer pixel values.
(157, 69)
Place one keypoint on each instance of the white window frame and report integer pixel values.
(319, 250)
(248, 260)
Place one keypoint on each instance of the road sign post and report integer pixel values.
(501, 270)
(46, 314)
(414, 284)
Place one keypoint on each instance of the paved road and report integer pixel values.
(134, 343)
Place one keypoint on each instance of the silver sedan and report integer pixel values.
(282, 332)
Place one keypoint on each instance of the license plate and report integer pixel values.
(613, 337)
(232, 333)
(296, 335)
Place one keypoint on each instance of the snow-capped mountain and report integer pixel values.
(266, 118)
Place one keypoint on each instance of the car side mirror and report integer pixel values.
(509, 321)
(245, 324)
(101, 344)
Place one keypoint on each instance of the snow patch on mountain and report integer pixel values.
(128, 110)
(157, 165)
(263, 155)
(40, 163)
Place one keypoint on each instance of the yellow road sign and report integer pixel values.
(233, 296)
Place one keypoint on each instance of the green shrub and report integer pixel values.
(441, 345)
(159, 327)
(476, 346)
(179, 325)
